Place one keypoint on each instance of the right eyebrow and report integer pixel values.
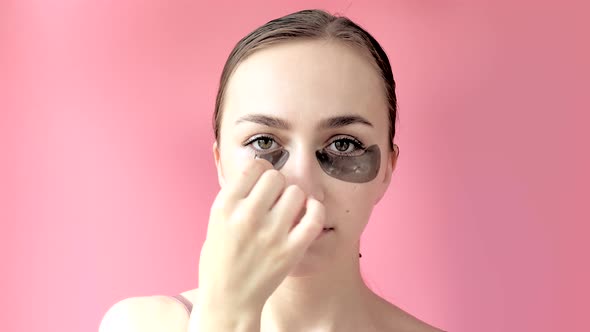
(265, 120)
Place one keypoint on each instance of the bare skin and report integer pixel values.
(303, 84)
(159, 313)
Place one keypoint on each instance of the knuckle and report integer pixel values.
(241, 226)
(315, 226)
(252, 168)
(320, 213)
(267, 237)
(318, 206)
(265, 164)
(275, 176)
(244, 212)
(295, 192)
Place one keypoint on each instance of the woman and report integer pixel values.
(304, 127)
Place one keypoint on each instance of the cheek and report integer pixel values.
(231, 159)
(353, 203)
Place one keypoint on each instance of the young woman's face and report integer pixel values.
(318, 110)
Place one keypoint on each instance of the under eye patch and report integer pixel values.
(357, 169)
(277, 158)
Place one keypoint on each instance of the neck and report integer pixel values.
(333, 297)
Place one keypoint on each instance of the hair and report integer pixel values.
(310, 25)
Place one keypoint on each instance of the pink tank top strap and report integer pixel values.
(187, 304)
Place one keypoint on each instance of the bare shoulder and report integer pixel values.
(400, 320)
(145, 313)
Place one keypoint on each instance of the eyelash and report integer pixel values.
(352, 140)
(257, 138)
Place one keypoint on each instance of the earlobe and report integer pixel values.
(394, 157)
(217, 158)
(391, 165)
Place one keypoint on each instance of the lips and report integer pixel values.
(325, 231)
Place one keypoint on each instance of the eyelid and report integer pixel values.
(356, 142)
(256, 137)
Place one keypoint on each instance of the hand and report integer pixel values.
(254, 238)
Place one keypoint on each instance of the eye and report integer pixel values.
(346, 146)
(262, 143)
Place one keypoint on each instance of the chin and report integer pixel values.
(316, 260)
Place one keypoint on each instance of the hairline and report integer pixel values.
(360, 49)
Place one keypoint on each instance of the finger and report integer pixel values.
(312, 223)
(249, 175)
(266, 191)
(288, 208)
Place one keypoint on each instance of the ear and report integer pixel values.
(391, 163)
(217, 158)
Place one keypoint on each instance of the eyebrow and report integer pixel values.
(329, 123)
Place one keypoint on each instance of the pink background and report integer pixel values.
(107, 173)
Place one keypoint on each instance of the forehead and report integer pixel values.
(308, 80)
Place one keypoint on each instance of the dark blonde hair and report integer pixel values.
(310, 24)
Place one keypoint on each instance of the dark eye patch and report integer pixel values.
(356, 169)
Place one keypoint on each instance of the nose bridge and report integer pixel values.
(302, 169)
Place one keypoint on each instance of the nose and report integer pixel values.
(303, 170)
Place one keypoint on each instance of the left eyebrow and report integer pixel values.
(329, 123)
